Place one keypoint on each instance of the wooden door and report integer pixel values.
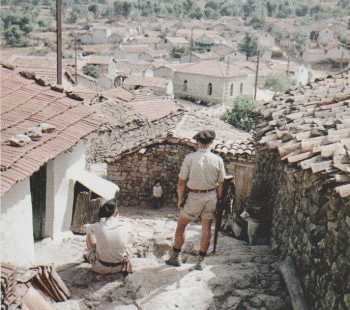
(38, 193)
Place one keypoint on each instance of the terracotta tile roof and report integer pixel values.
(155, 108)
(310, 128)
(118, 93)
(229, 140)
(25, 105)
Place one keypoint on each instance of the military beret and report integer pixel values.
(205, 136)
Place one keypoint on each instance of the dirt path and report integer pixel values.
(237, 277)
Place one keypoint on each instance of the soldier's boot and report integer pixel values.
(174, 258)
(199, 263)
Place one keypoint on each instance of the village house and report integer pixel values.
(43, 158)
(211, 82)
(104, 64)
(302, 185)
(131, 52)
(198, 57)
(136, 168)
(96, 35)
(176, 42)
(159, 86)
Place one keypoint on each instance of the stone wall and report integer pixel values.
(309, 223)
(135, 173)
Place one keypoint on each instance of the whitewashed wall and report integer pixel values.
(60, 190)
(16, 225)
(197, 87)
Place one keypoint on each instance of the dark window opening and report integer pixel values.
(210, 89)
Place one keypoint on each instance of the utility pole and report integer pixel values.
(257, 74)
(191, 44)
(59, 40)
(76, 58)
(288, 57)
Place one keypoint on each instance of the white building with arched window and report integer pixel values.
(212, 81)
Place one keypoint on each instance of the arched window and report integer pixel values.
(231, 90)
(184, 87)
(241, 89)
(210, 89)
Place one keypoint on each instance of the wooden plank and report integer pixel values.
(309, 144)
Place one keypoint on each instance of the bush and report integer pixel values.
(241, 114)
(278, 83)
(91, 70)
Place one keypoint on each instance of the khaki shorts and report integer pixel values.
(200, 206)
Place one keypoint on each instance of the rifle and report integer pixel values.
(218, 220)
(220, 207)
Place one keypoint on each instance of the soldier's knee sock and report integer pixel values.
(176, 251)
(202, 254)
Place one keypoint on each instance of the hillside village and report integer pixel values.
(139, 80)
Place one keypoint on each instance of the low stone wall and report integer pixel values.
(311, 224)
(135, 173)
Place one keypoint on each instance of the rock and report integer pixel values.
(116, 307)
(70, 305)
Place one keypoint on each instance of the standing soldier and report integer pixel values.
(203, 173)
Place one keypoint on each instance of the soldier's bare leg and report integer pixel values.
(180, 231)
(179, 241)
(206, 235)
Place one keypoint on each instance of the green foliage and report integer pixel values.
(178, 52)
(278, 83)
(249, 46)
(123, 8)
(241, 115)
(15, 28)
(256, 22)
(91, 70)
(72, 17)
(300, 43)
(14, 36)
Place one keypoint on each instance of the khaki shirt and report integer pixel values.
(202, 170)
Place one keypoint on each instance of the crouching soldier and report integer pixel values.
(203, 173)
(106, 248)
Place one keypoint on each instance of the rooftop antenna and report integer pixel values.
(59, 40)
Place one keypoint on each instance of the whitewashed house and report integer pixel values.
(96, 35)
(39, 174)
(212, 81)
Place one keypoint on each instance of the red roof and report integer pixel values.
(24, 105)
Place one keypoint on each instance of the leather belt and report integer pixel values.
(201, 190)
(107, 264)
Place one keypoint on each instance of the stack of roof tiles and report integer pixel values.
(25, 105)
(310, 128)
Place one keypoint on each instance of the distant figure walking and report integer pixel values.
(157, 194)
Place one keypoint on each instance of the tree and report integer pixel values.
(122, 8)
(278, 83)
(300, 43)
(270, 8)
(72, 17)
(242, 114)
(256, 22)
(14, 36)
(249, 46)
(249, 8)
(91, 70)
(94, 9)
(303, 10)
